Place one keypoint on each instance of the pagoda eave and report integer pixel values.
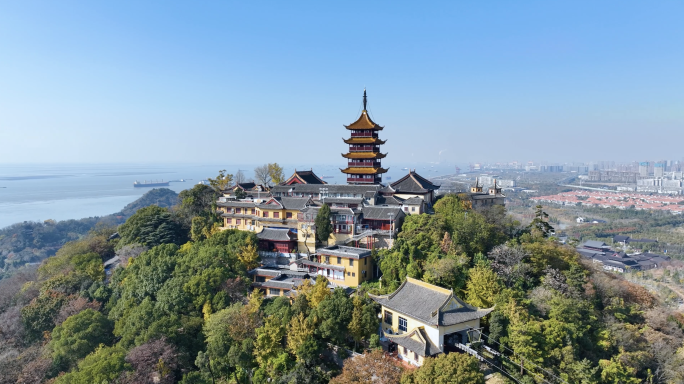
(364, 140)
(353, 128)
(363, 171)
(364, 155)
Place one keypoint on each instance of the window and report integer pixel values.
(274, 291)
(353, 274)
(229, 221)
(351, 262)
(339, 260)
(327, 259)
(405, 209)
(415, 356)
(348, 273)
(265, 214)
(403, 325)
(388, 317)
(238, 221)
(288, 215)
(276, 215)
(238, 210)
(413, 209)
(253, 211)
(365, 261)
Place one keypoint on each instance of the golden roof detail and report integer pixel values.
(364, 122)
(364, 155)
(363, 170)
(364, 140)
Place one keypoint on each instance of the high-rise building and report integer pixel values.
(659, 170)
(363, 165)
(643, 169)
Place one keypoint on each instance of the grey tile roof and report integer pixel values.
(414, 201)
(236, 204)
(283, 190)
(320, 265)
(343, 251)
(382, 213)
(389, 200)
(413, 183)
(620, 238)
(428, 304)
(595, 244)
(294, 202)
(423, 346)
(343, 200)
(274, 234)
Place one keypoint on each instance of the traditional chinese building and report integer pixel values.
(425, 320)
(363, 158)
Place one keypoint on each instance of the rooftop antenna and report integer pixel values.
(364, 98)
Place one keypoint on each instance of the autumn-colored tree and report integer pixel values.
(269, 341)
(298, 333)
(319, 292)
(248, 255)
(482, 287)
(276, 173)
(222, 181)
(373, 367)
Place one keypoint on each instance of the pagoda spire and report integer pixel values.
(364, 99)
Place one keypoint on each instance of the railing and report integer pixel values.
(293, 255)
(363, 134)
(362, 180)
(362, 164)
(364, 148)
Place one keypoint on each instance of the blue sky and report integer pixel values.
(246, 82)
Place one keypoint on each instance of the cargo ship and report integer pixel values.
(145, 184)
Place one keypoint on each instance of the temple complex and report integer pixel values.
(363, 165)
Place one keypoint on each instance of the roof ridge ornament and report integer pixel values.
(364, 98)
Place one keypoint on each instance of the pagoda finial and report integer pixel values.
(364, 98)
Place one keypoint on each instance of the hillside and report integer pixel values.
(32, 242)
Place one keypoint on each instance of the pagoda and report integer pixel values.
(363, 166)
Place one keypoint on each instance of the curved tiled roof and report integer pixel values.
(416, 341)
(364, 122)
(363, 170)
(276, 235)
(430, 304)
(364, 155)
(414, 183)
(364, 140)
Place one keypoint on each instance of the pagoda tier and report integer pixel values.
(365, 140)
(364, 155)
(363, 165)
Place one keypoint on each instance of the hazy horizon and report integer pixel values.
(218, 82)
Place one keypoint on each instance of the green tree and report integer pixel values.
(152, 226)
(248, 255)
(333, 315)
(268, 345)
(452, 368)
(540, 222)
(364, 322)
(318, 292)
(222, 181)
(323, 226)
(102, 366)
(38, 316)
(300, 338)
(78, 336)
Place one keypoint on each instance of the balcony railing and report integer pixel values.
(364, 148)
(362, 180)
(363, 164)
(363, 134)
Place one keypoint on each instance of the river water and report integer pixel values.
(37, 192)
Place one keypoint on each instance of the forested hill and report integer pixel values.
(179, 309)
(31, 242)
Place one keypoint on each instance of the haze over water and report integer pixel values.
(37, 192)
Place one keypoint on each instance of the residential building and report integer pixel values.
(425, 320)
(345, 266)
